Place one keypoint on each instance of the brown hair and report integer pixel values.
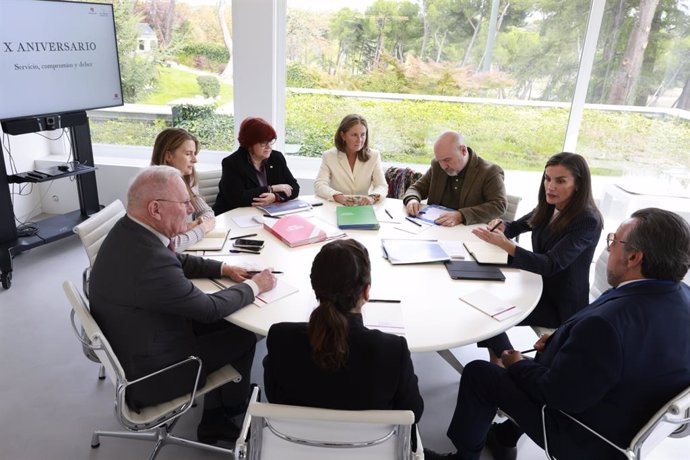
(254, 130)
(167, 141)
(348, 122)
(581, 200)
(339, 274)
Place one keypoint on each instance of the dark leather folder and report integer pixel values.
(471, 270)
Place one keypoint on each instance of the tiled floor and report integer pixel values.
(51, 399)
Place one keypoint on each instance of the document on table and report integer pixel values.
(386, 317)
(455, 249)
(247, 220)
(486, 253)
(282, 289)
(486, 302)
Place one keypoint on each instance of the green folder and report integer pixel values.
(357, 217)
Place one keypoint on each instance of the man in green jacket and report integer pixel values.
(460, 180)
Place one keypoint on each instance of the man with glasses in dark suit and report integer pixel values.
(612, 365)
(144, 301)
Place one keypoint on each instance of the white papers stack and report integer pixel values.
(486, 302)
(486, 253)
(455, 249)
(413, 251)
(281, 290)
(386, 317)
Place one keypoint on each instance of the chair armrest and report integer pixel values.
(243, 438)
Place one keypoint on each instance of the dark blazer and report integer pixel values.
(142, 298)
(563, 261)
(612, 366)
(379, 373)
(238, 185)
(483, 194)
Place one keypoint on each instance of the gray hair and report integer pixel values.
(664, 239)
(149, 183)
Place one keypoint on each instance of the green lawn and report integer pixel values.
(174, 84)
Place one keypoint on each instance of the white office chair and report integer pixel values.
(512, 202)
(306, 433)
(671, 420)
(92, 232)
(208, 185)
(153, 423)
(600, 283)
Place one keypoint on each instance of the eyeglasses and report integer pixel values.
(610, 239)
(267, 143)
(185, 203)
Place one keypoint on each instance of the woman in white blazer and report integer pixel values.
(351, 173)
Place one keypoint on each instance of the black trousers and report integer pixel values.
(222, 343)
(483, 388)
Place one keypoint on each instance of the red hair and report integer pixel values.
(254, 130)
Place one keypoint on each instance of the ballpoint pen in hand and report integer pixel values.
(528, 351)
(256, 272)
(498, 224)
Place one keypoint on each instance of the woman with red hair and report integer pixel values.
(255, 174)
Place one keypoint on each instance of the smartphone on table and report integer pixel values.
(248, 244)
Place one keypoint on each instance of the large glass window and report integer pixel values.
(175, 61)
(417, 68)
(636, 121)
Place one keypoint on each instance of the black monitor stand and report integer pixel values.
(56, 227)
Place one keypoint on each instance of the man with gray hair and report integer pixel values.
(460, 180)
(144, 301)
(612, 365)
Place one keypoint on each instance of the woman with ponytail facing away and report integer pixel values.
(333, 361)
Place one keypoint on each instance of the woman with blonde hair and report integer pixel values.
(177, 148)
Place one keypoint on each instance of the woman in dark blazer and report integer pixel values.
(334, 361)
(255, 174)
(566, 226)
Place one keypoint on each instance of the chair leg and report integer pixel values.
(161, 436)
(147, 436)
(450, 358)
(101, 372)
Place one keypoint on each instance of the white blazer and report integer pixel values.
(335, 176)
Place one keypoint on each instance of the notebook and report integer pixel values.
(295, 230)
(471, 270)
(486, 253)
(413, 251)
(213, 241)
(432, 212)
(357, 217)
(486, 302)
(286, 207)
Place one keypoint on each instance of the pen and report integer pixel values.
(528, 351)
(389, 214)
(256, 272)
(496, 226)
(272, 217)
(313, 205)
(242, 236)
(413, 221)
(237, 251)
(385, 300)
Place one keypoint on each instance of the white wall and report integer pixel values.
(25, 149)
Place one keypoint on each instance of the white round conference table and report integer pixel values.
(434, 317)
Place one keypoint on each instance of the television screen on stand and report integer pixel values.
(56, 57)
